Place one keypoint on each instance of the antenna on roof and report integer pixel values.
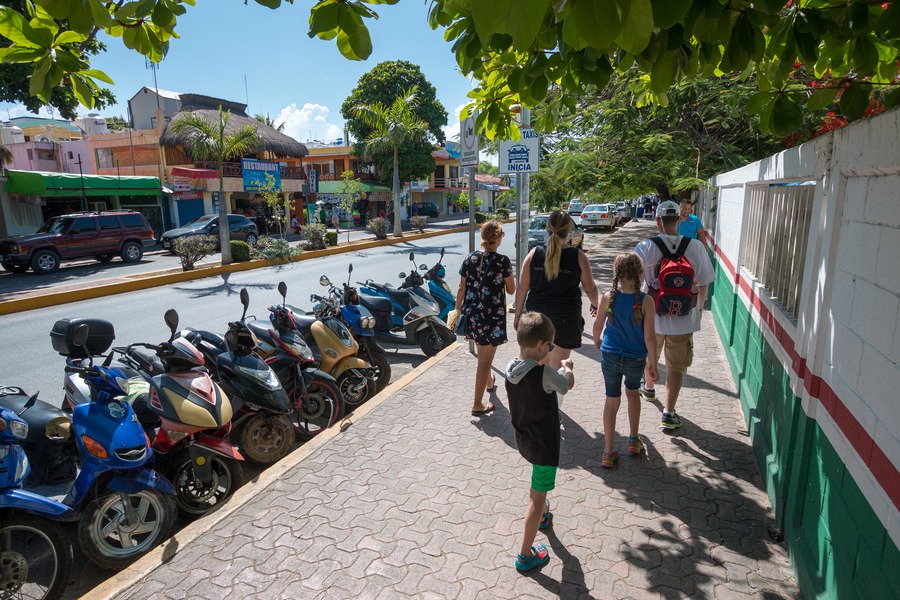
(149, 64)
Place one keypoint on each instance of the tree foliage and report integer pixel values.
(384, 83)
(116, 123)
(518, 51)
(391, 126)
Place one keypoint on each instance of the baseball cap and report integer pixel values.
(667, 209)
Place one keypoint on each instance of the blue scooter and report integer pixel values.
(124, 509)
(36, 556)
(439, 289)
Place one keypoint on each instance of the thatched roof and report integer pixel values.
(270, 139)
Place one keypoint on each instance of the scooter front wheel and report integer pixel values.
(382, 369)
(322, 408)
(35, 558)
(195, 498)
(266, 440)
(111, 540)
(433, 340)
(355, 388)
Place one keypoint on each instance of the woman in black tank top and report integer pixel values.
(549, 283)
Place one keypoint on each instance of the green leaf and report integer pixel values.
(269, 3)
(323, 19)
(892, 99)
(69, 37)
(821, 98)
(522, 19)
(15, 28)
(597, 21)
(355, 46)
(82, 91)
(19, 54)
(855, 100)
(668, 12)
(865, 55)
(97, 74)
(888, 25)
(37, 84)
(859, 17)
(757, 102)
(664, 71)
(637, 27)
(786, 116)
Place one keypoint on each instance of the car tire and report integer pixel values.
(45, 262)
(251, 239)
(132, 252)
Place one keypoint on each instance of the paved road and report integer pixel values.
(419, 499)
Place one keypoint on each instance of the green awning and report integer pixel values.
(331, 187)
(38, 183)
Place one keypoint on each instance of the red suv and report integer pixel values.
(101, 235)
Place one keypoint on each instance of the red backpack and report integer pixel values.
(675, 278)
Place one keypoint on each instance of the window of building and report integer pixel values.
(773, 249)
(71, 155)
(30, 154)
(454, 171)
(105, 158)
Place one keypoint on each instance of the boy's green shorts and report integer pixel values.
(543, 478)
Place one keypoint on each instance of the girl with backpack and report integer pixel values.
(624, 332)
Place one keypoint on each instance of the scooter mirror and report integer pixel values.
(402, 275)
(282, 289)
(171, 319)
(245, 300)
(412, 258)
(324, 281)
(30, 402)
(442, 256)
(423, 267)
(350, 268)
(81, 335)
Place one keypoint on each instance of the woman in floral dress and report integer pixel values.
(485, 279)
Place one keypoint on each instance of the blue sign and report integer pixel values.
(452, 149)
(313, 181)
(255, 172)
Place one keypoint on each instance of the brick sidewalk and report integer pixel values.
(419, 499)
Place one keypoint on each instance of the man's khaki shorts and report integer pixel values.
(679, 351)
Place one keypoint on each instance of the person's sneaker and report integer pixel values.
(647, 394)
(635, 445)
(670, 420)
(541, 556)
(609, 459)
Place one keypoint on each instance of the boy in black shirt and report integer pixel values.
(533, 407)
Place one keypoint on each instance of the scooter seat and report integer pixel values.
(401, 297)
(147, 360)
(303, 320)
(376, 304)
(260, 329)
(38, 416)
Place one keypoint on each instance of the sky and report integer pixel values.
(295, 79)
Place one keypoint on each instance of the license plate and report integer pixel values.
(592, 221)
(166, 244)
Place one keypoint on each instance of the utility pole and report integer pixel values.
(523, 196)
(84, 205)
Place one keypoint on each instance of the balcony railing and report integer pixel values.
(450, 182)
(361, 175)
(232, 169)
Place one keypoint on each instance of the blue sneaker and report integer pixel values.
(541, 556)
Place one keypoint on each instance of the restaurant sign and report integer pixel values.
(255, 172)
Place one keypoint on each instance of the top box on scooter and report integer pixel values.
(100, 337)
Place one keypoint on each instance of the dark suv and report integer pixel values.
(102, 235)
(239, 228)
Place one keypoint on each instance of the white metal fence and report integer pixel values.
(773, 248)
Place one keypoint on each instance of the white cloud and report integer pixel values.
(309, 122)
(451, 129)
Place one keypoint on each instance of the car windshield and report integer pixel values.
(593, 208)
(538, 223)
(575, 207)
(56, 225)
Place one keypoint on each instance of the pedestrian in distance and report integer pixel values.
(690, 224)
(323, 216)
(295, 224)
(677, 276)
(486, 277)
(625, 333)
(336, 218)
(548, 283)
(533, 388)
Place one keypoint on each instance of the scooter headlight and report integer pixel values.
(17, 429)
(123, 383)
(301, 350)
(367, 323)
(265, 376)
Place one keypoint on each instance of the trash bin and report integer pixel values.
(640, 212)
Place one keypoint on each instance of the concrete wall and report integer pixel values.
(143, 109)
(817, 391)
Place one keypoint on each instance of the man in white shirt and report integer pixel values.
(674, 334)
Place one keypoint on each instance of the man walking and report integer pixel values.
(689, 225)
(679, 301)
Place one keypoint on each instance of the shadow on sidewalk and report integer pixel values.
(573, 584)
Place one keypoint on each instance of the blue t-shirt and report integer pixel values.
(690, 227)
(623, 336)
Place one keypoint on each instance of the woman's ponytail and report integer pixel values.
(559, 225)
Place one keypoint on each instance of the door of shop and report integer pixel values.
(188, 210)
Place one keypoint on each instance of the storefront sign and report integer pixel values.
(329, 198)
(313, 181)
(181, 184)
(189, 195)
(255, 172)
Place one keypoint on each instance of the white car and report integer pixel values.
(537, 232)
(599, 215)
(575, 208)
(624, 212)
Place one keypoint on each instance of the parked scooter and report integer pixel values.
(439, 289)
(408, 316)
(35, 555)
(188, 417)
(361, 323)
(123, 508)
(262, 425)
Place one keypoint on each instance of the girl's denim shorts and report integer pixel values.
(615, 367)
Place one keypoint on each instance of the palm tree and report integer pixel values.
(209, 141)
(267, 120)
(393, 125)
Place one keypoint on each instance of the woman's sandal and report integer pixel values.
(541, 556)
(546, 518)
(609, 459)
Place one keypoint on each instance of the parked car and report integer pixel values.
(428, 209)
(599, 215)
(575, 208)
(624, 211)
(239, 226)
(537, 232)
(102, 235)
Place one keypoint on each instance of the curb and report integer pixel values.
(160, 278)
(165, 552)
